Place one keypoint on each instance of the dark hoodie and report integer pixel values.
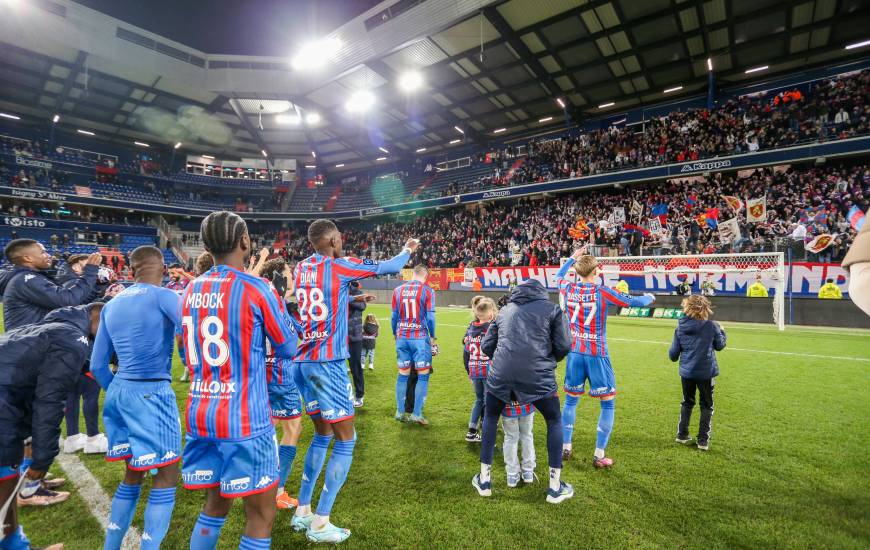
(526, 340)
(39, 366)
(694, 342)
(28, 294)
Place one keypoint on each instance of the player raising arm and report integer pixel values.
(231, 450)
(413, 322)
(322, 285)
(140, 411)
(585, 303)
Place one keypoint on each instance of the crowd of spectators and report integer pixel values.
(833, 109)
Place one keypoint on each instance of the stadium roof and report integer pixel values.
(486, 66)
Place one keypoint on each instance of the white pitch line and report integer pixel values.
(98, 502)
(863, 359)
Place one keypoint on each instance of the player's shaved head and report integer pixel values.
(17, 249)
(586, 266)
(146, 263)
(319, 231)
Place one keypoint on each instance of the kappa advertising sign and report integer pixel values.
(806, 279)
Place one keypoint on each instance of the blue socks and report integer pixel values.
(420, 391)
(206, 532)
(16, 540)
(123, 508)
(605, 424)
(336, 474)
(569, 414)
(158, 512)
(250, 543)
(314, 459)
(25, 464)
(401, 390)
(286, 454)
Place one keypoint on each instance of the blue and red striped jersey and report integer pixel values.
(586, 307)
(322, 285)
(515, 410)
(226, 315)
(478, 362)
(413, 301)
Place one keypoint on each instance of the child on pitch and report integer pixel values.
(518, 421)
(696, 340)
(477, 364)
(370, 338)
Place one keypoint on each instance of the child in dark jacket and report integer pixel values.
(369, 339)
(695, 342)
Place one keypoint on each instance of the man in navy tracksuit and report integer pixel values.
(29, 294)
(39, 364)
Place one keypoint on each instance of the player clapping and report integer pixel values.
(585, 304)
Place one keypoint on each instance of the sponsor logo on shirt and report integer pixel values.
(239, 484)
(120, 448)
(213, 389)
(198, 476)
(144, 460)
(315, 335)
(311, 405)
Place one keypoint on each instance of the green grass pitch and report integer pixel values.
(788, 465)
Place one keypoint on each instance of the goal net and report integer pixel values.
(721, 273)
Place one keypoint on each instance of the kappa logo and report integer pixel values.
(342, 412)
(264, 481)
(168, 456)
(496, 194)
(305, 477)
(113, 526)
(82, 339)
(294, 412)
(699, 166)
(28, 277)
(146, 536)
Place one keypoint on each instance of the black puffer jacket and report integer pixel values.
(28, 295)
(694, 344)
(39, 366)
(526, 340)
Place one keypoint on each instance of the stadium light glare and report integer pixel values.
(288, 119)
(310, 166)
(709, 63)
(421, 149)
(606, 105)
(674, 89)
(339, 165)
(208, 157)
(460, 130)
(454, 141)
(177, 145)
(56, 119)
(858, 45)
(381, 158)
(499, 130)
(265, 154)
(410, 81)
(12, 117)
(85, 132)
(312, 118)
(560, 103)
(315, 55)
(360, 101)
(545, 119)
(384, 150)
(141, 144)
(755, 69)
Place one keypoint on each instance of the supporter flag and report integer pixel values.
(632, 228)
(660, 209)
(733, 202)
(691, 201)
(655, 225)
(820, 217)
(820, 242)
(729, 231)
(580, 230)
(636, 209)
(618, 214)
(702, 221)
(856, 218)
(83, 190)
(712, 217)
(756, 210)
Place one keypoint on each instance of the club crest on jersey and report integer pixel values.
(212, 388)
(239, 484)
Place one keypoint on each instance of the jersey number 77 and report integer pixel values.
(588, 309)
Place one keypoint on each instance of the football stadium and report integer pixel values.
(434, 274)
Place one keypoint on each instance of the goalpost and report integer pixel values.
(727, 271)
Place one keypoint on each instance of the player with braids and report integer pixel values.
(231, 450)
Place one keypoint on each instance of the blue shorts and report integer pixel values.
(284, 401)
(596, 369)
(142, 423)
(416, 353)
(325, 389)
(8, 472)
(240, 467)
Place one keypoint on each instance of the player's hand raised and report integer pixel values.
(364, 298)
(412, 244)
(94, 258)
(579, 252)
(650, 295)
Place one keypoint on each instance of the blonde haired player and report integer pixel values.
(585, 303)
